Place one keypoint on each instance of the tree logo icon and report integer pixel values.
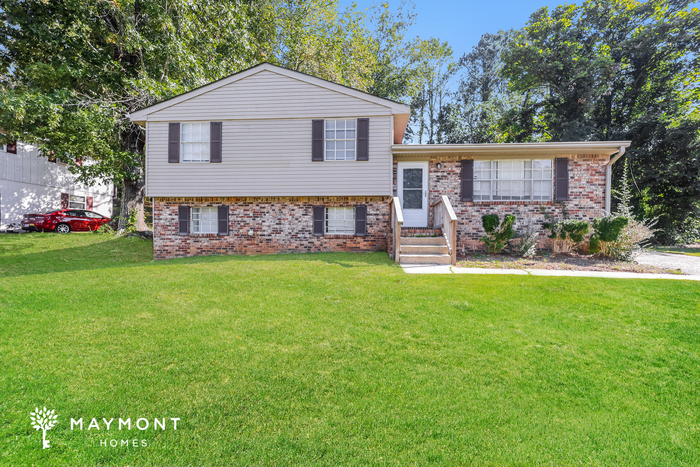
(43, 420)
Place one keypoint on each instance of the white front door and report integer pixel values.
(412, 186)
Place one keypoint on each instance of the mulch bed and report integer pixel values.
(568, 262)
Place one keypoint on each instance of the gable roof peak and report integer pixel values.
(396, 107)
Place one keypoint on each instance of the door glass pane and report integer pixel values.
(413, 178)
(413, 199)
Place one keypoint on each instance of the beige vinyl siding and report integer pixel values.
(268, 95)
(270, 158)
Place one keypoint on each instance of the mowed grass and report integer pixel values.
(338, 359)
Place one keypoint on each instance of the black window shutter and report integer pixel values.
(174, 142)
(223, 220)
(468, 180)
(215, 142)
(363, 139)
(183, 220)
(561, 179)
(317, 130)
(319, 215)
(360, 220)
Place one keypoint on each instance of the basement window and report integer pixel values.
(204, 220)
(340, 221)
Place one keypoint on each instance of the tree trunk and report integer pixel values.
(133, 192)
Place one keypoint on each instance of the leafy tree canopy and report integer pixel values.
(72, 71)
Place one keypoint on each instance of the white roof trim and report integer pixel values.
(395, 107)
(569, 146)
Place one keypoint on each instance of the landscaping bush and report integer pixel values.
(606, 236)
(637, 233)
(497, 236)
(525, 243)
(567, 234)
(632, 236)
(105, 229)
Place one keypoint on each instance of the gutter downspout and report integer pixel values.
(608, 178)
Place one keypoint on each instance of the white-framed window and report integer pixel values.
(194, 142)
(340, 221)
(513, 180)
(76, 202)
(204, 220)
(340, 140)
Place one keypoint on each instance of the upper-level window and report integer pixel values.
(513, 180)
(194, 139)
(76, 202)
(204, 220)
(340, 140)
(340, 221)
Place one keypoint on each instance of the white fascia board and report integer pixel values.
(571, 147)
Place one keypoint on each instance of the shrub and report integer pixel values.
(608, 228)
(526, 244)
(105, 229)
(131, 221)
(636, 234)
(606, 236)
(497, 236)
(633, 236)
(567, 234)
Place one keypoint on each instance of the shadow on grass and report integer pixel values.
(19, 260)
(25, 260)
(344, 259)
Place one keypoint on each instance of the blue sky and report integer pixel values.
(462, 22)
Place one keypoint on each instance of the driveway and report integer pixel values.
(687, 264)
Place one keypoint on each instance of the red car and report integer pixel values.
(64, 221)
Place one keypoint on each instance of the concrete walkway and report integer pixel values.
(446, 269)
(686, 263)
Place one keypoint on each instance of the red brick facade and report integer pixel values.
(266, 225)
(586, 199)
(285, 225)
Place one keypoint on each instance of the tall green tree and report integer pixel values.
(323, 39)
(432, 77)
(368, 50)
(72, 71)
(483, 97)
(617, 70)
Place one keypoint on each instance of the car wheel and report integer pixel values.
(62, 228)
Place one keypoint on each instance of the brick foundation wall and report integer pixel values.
(586, 199)
(278, 225)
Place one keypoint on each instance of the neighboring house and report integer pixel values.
(272, 160)
(31, 183)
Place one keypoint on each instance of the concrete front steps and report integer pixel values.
(424, 250)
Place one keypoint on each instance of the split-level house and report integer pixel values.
(31, 182)
(272, 160)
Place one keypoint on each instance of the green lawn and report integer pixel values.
(679, 250)
(338, 359)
